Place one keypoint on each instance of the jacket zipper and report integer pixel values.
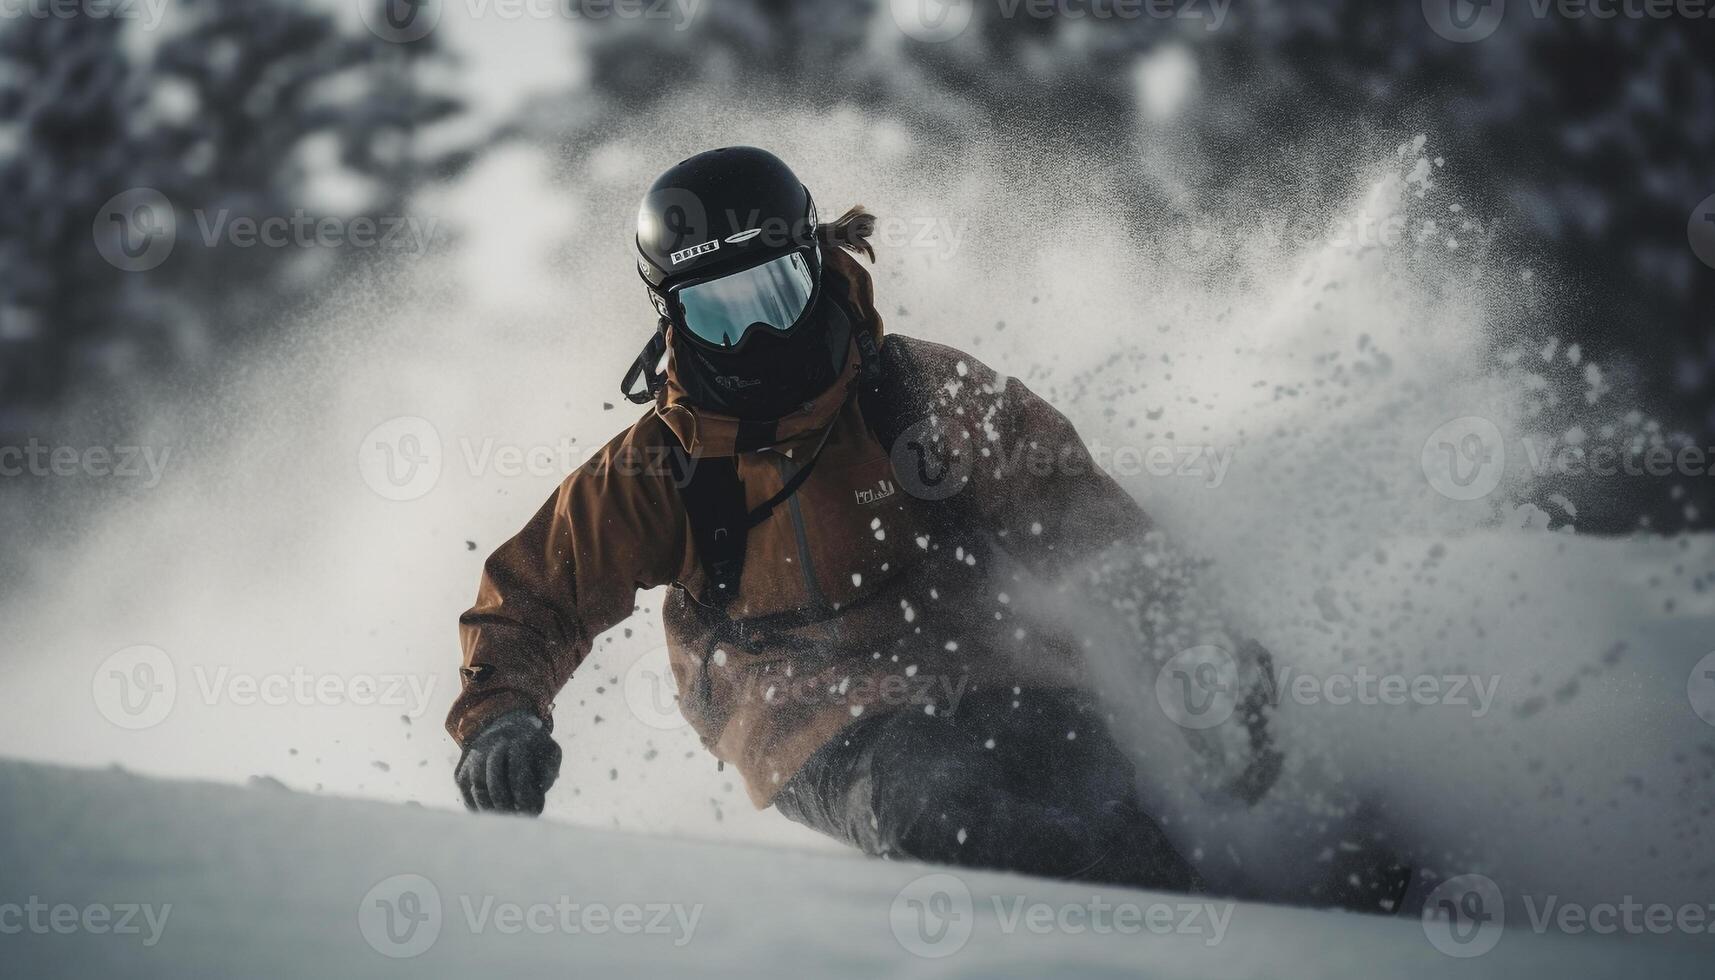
(797, 512)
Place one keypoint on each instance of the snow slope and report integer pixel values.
(265, 882)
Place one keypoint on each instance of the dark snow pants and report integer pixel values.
(1030, 783)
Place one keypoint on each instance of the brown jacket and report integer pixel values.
(857, 596)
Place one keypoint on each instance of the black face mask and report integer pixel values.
(776, 375)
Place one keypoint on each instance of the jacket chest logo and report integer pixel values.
(876, 494)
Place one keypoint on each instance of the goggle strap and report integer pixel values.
(644, 368)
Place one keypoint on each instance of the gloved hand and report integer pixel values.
(509, 765)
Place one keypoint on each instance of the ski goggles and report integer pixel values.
(722, 312)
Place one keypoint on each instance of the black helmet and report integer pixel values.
(728, 246)
(726, 243)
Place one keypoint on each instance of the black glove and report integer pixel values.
(509, 765)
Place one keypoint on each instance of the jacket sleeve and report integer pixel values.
(615, 526)
(1033, 483)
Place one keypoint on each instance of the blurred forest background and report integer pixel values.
(1586, 144)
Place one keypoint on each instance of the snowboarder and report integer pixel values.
(839, 523)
